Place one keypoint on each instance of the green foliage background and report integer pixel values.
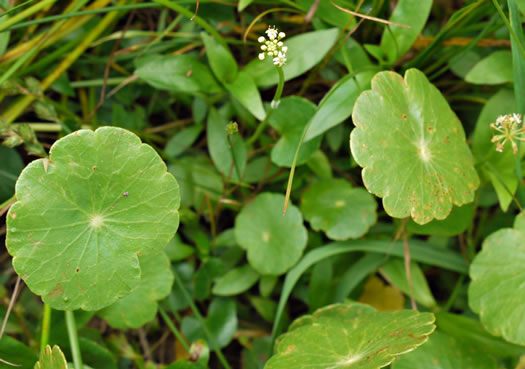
(399, 199)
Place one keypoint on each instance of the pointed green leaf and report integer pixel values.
(180, 73)
(396, 41)
(497, 166)
(274, 242)
(289, 119)
(52, 359)
(10, 167)
(228, 153)
(412, 148)
(304, 52)
(338, 209)
(492, 70)
(350, 336)
(140, 306)
(221, 60)
(497, 276)
(244, 89)
(338, 103)
(445, 352)
(83, 216)
(236, 281)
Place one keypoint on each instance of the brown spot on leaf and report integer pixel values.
(12, 215)
(58, 291)
(404, 116)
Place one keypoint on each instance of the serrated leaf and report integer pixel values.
(102, 198)
(497, 276)
(289, 119)
(52, 359)
(445, 352)
(301, 56)
(140, 306)
(412, 148)
(350, 336)
(274, 242)
(338, 209)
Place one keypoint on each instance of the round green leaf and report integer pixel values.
(274, 242)
(445, 352)
(83, 217)
(412, 148)
(289, 119)
(350, 336)
(498, 276)
(140, 306)
(338, 209)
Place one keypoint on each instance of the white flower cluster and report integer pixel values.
(273, 47)
(509, 129)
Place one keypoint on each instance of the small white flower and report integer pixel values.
(508, 129)
(273, 47)
(280, 59)
(272, 33)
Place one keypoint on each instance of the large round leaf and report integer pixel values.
(140, 306)
(412, 148)
(350, 336)
(498, 277)
(338, 209)
(445, 352)
(83, 217)
(274, 242)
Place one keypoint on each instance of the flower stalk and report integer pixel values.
(274, 48)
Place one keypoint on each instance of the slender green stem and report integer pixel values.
(275, 102)
(200, 21)
(25, 13)
(21, 104)
(79, 14)
(42, 127)
(511, 30)
(73, 339)
(199, 317)
(173, 329)
(454, 293)
(7, 202)
(46, 325)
